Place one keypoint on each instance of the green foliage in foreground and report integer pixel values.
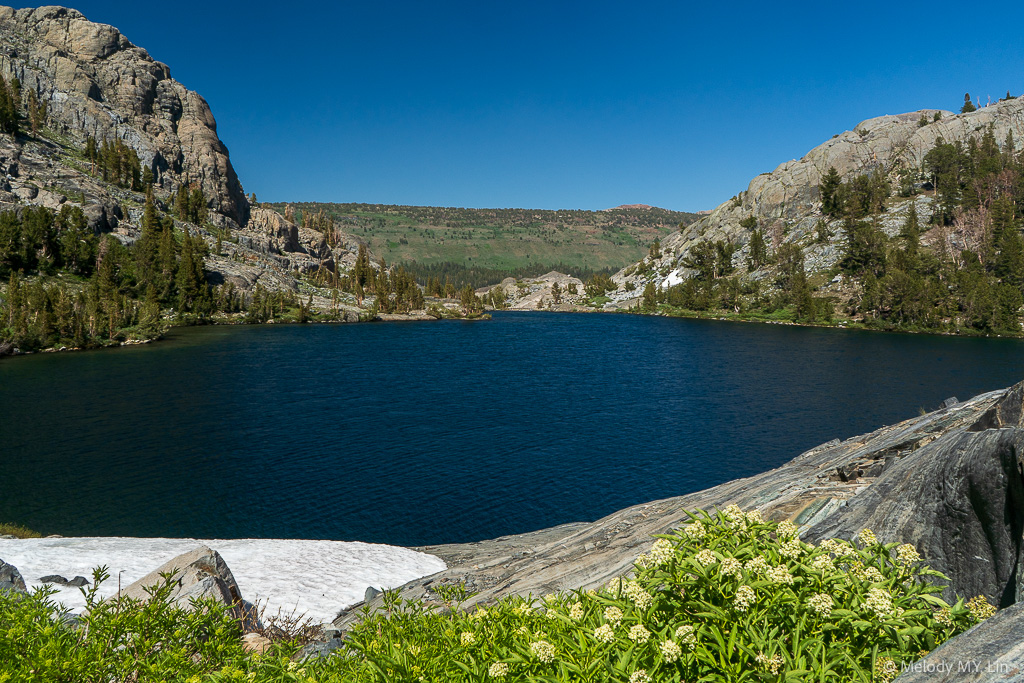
(728, 597)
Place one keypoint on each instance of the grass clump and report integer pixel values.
(9, 529)
(728, 597)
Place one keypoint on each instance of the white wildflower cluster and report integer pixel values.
(576, 611)
(522, 609)
(706, 558)
(644, 561)
(786, 529)
(543, 650)
(615, 585)
(756, 565)
(498, 670)
(604, 633)
(821, 603)
(771, 664)
(879, 602)
(639, 676)
(745, 597)
(754, 517)
(638, 634)
(670, 650)
(524, 630)
(551, 613)
(637, 595)
(885, 669)
(867, 538)
(467, 638)
(944, 616)
(791, 549)
(834, 546)
(550, 599)
(907, 555)
(479, 615)
(734, 517)
(730, 567)
(980, 608)
(823, 564)
(779, 574)
(695, 530)
(613, 615)
(686, 635)
(662, 551)
(871, 574)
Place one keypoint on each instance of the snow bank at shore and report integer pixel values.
(318, 578)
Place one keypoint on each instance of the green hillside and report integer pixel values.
(481, 246)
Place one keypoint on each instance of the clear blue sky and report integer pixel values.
(558, 104)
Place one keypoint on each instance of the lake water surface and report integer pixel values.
(414, 433)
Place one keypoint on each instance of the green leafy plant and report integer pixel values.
(728, 597)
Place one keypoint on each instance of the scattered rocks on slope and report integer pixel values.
(531, 294)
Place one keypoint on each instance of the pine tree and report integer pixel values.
(911, 231)
(8, 110)
(650, 297)
(757, 250)
(831, 201)
(190, 275)
(968, 105)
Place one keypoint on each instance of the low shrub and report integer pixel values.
(728, 597)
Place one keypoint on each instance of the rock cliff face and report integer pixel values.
(95, 82)
(787, 201)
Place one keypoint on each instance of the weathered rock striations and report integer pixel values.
(95, 82)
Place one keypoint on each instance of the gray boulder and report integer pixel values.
(76, 582)
(198, 574)
(991, 651)
(10, 578)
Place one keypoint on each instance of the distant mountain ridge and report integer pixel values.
(483, 246)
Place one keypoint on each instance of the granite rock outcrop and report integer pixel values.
(95, 82)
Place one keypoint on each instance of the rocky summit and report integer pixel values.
(96, 83)
(100, 91)
(786, 205)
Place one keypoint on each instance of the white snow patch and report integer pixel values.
(674, 278)
(318, 578)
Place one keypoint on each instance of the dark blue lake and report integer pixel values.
(414, 433)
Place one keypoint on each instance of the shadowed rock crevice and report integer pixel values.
(960, 500)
